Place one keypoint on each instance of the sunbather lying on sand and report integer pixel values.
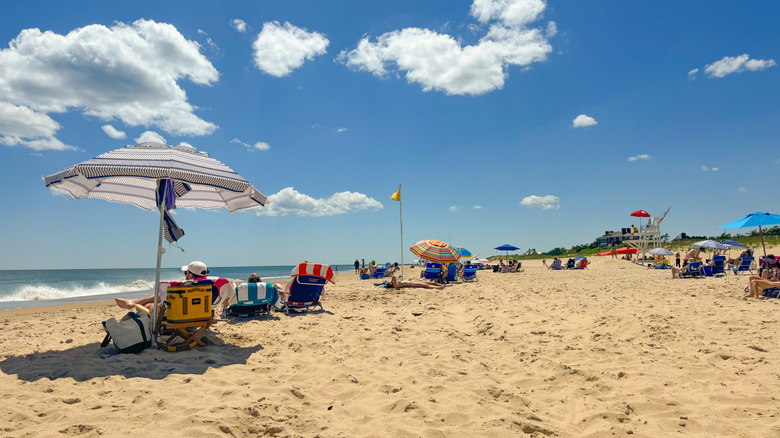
(395, 283)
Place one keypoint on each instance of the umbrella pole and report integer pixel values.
(160, 252)
(763, 245)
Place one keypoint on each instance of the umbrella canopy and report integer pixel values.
(580, 258)
(660, 252)
(435, 251)
(640, 213)
(507, 247)
(733, 244)
(156, 176)
(483, 261)
(757, 219)
(463, 251)
(711, 244)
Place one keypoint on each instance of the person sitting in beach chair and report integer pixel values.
(391, 270)
(397, 284)
(306, 287)
(769, 278)
(252, 298)
(692, 269)
(469, 273)
(432, 271)
(556, 264)
(733, 263)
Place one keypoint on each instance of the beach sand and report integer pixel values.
(612, 350)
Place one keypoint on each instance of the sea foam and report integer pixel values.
(38, 292)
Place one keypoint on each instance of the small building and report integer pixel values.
(614, 236)
(531, 251)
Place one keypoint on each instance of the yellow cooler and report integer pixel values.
(188, 304)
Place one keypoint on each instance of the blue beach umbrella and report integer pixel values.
(507, 247)
(464, 253)
(757, 219)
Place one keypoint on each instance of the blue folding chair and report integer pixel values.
(692, 269)
(380, 272)
(452, 273)
(251, 299)
(432, 271)
(470, 273)
(306, 287)
(718, 265)
(744, 265)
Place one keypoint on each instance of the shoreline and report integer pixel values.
(109, 297)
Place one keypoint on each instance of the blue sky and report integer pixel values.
(538, 124)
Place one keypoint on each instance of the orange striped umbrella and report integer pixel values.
(435, 251)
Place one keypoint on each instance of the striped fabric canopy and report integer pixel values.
(315, 270)
(129, 175)
(435, 251)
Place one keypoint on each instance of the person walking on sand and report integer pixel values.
(677, 259)
(614, 249)
(357, 266)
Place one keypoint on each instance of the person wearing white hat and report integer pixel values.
(195, 271)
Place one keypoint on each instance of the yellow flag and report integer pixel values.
(397, 195)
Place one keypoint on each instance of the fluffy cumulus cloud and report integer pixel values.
(113, 132)
(289, 201)
(127, 72)
(639, 157)
(708, 169)
(736, 64)
(22, 126)
(692, 74)
(582, 121)
(278, 50)
(438, 61)
(238, 24)
(544, 202)
(259, 146)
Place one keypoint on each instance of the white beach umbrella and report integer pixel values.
(154, 176)
(660, 252)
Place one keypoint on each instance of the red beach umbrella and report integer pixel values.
(640, 213)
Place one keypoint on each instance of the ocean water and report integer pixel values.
(25, 288)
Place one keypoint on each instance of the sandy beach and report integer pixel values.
(612, 350)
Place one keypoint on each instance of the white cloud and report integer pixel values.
(259, 146)
(454, 208)
(583, 120)
(640, 157)
(278, 50)
(341, 130)
(736, 64)
(544, 202)
(692, 74)
(552, 29)
(150, 136)
(438, 61)
(289, 201)
(126, 72)
(708, 169)
(22, 126)
(238, 24)
(742, 190)
(113, 132)
(478, 207)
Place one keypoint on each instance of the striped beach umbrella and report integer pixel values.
(154, 176)
(435, 251)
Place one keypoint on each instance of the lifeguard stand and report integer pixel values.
(647, 238)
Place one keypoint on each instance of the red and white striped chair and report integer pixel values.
(305, 289)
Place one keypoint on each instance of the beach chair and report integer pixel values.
(556, 265)
(718, 265)
(305, 288)
(470, 273)
(188, 313)
(744, 265)
(692, 269)
(432, 271)
(570, 264)
(380, 272)
(251, 299)
(452, 273)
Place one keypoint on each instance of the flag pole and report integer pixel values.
(401, 218)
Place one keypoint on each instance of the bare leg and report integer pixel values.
(130, 304)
